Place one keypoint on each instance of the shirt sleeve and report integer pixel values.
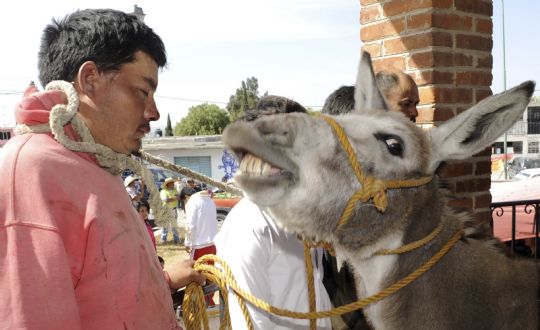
(36, 276)
(190, 222)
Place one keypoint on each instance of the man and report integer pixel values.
(136, 194)
(401, 93)
(399, 89)
(169, 198)
(265, 260)
(201, 227)
(75, 254)
(186, 192)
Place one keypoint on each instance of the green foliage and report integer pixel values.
(168, 128)
(203, 119)
(246, 97)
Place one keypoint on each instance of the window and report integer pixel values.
(199, 164)
(533, 147)
(5, 135)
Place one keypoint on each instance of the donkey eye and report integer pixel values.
(394, 146)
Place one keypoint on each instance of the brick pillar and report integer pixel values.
(445, 45)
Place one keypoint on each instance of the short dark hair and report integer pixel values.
(340, 101)
(270, 105)
(108, 37)
(142, 203)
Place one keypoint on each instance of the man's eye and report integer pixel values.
(394, 146)
(144, 93)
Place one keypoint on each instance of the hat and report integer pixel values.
(167, 181)
(128, 180)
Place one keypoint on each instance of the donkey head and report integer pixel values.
(296, 167)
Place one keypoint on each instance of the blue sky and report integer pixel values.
(302, 49)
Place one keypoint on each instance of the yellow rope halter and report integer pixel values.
(371, 188)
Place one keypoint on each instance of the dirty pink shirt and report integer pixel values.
(74, 253)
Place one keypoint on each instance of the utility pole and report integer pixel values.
(504, 87)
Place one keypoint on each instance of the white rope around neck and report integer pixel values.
(108, 159)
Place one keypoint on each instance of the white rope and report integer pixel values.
(110, 160)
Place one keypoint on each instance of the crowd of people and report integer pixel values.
(79, 249)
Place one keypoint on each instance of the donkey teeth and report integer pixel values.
(255, 166)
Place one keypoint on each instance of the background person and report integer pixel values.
(201, 227)
(398, 88)
(265, 260)
(169, 198)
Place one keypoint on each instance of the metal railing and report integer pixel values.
(519, 212)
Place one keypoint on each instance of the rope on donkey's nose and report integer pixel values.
(370, 187)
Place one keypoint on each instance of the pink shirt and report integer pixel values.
(74, 253)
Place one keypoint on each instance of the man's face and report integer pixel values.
(404, 98)
(124, 105)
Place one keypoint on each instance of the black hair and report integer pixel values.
(142, 203)
(270, 105)
(108, 37)
(340, 101)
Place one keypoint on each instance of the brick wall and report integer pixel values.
(445, 45)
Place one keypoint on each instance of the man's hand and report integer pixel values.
(182, 273)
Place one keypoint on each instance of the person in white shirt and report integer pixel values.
(265, 260)
(201, 228)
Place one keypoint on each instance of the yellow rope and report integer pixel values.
(224, 278)
(310, 285)
(371, 188)
(415, 244)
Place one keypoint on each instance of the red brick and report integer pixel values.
(448, 21)
(370, 14)
(382, 29)
(461, 203)
(425, 115)
(443, 113)
(426, 94)
(418, 41)
(476, 7)
(483, 167)
(374, 49)
(474, 78)
(452, 170)
(430, 59)
(396, 62)
(473, 185)
(452, 95)
(397, 7)
(480, 94)
(485, 61)
(433, 77)
(484, 26)
(461, 59)
(465, 41)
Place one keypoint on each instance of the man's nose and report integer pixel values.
(151, 112)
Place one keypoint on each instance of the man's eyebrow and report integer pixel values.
(151, 82)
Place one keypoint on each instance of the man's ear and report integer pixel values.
(87, 78)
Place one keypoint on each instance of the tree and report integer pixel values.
(168, 128)
(203, 119)
(246, 97)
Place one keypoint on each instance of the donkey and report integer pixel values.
(381, 193)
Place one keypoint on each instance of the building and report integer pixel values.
(524, 137)
(202, 154)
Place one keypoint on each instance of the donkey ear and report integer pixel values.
(478, 127)
(367, 96)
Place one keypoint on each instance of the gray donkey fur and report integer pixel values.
(305, 181)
